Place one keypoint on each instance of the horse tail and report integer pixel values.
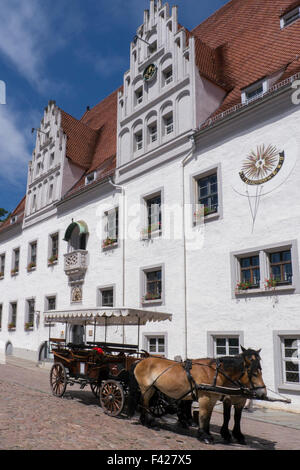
(134, 395)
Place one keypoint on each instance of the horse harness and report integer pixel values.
(194, 387)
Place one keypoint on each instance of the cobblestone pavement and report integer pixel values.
(31, 418)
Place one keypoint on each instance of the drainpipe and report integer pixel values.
(183, 162)
(123, 239)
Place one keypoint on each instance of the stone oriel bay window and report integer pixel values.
(270, 268)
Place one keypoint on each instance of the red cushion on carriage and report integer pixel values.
(99, 350)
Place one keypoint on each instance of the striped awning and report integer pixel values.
(106, 316)
(83, 228)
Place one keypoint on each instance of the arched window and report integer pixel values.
(76, 236)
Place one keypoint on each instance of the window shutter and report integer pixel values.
(155, 212)
(111, 224)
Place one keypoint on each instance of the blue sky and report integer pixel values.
(72, 51)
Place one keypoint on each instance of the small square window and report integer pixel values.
(156, 345)
(51, 302)
(226, 346)
(107, 297)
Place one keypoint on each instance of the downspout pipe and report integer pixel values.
(183, 163)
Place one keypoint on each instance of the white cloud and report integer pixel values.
(14, 147)
(31, 31)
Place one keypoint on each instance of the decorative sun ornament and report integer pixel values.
(261, 165)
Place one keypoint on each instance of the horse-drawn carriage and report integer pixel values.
(123, 377)
(102, 365)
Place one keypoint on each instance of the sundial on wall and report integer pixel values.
(263, 169)
(149, 72)
(262, 165)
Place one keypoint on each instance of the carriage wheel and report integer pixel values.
(95, 387)
(112, 397)
(160, 405)
(58, 379)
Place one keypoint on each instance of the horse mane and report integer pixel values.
(230, 362)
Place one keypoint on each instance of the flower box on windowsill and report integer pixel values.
(31, 267)
(1, 276)
(14, 272)
(52, 260)
(11, 327)
(264, 291)
(28, 326)
(109, 243)
(151, 298)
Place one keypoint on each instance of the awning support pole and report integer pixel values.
(95, 330)
(139, 334)
(105, 328)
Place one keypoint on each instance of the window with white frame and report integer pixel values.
(153, 47)
(254, 91)
(266, 268)
(139, 96)
(168, 124)
(152, 132)
(226, 346)
(138, 140)
(2, 265)
(207, 192)
(111, 228)
(153, 225)
(290, 17)
(32, 257)
(51, 302)
(106, 296)
(156, 344)
(290, 357)
(152, 285)
(12, 321)
(90, 178)
(53, 249)
(167, 75)
(15, 261)
(30, 310)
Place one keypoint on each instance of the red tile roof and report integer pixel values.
(250, 41)
(238, 45)
(18, 211)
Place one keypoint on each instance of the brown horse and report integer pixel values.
(179, 381)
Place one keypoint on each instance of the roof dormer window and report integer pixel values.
(90, 178)
(254, 91)
(290, 17)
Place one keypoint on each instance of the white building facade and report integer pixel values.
(178, 194)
